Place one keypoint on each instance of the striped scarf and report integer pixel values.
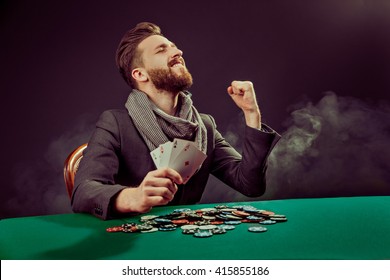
(157, 127)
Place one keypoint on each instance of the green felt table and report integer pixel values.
(322, 228)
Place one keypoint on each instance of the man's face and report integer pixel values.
(164, 64)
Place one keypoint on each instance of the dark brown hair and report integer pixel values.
(127, 55)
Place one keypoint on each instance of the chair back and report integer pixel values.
(70, 167)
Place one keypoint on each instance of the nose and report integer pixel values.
(177, 52)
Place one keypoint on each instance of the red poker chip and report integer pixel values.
(114, 229)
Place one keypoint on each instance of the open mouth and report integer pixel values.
(176, 63)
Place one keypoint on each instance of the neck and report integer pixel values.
(166, 101)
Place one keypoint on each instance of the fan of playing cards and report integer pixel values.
(180, 155)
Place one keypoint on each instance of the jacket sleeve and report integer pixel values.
(245, 173)
(95, 185)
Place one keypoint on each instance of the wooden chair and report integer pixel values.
(70, 167)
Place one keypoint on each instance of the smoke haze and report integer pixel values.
(337, 147)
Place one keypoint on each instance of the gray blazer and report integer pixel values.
(117, 157)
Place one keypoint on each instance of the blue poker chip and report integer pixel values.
(182, 210)
(167, 227)
(162, 221)
(232, 222)
(203, 233)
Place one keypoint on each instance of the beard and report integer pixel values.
(168, 80)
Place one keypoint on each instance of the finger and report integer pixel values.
(171, 174)
(166, 193)
(230, 90)
(156, 200)
(241, 86)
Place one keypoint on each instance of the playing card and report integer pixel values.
(155, 154)
(188, 161)
(165, 154)
(177, 146)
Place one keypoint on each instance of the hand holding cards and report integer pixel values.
(180, 155)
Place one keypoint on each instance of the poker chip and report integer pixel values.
(189, 227)
(189, 231)
(267, 222)
(240, 213)
(232, 222)
(203, 233)
(180, 222)
(153, 229)
(144, 227)
(227, 227)
(148, 218)
(209, 218)
(114, 229)
(279, 219)
(218, 230)
(207, 227)
(162, 220)
(167, 227)
(257, 229)
(182, 210)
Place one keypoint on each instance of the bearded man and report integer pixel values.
(117, 175)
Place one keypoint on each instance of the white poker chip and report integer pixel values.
(189, 227)
(207, 209)
(257, 229)
(207, 227)
(150, 230)
(147, 218)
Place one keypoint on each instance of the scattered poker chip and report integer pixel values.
(240, 213)
(218, 230)
(167, 227)
(257, 229)
(203, 233)
(180, 222)
(279, 219)
(114, 229)
(209, 218)
(277, 216)
(220, 206)
(229, 210)
(189, 231)
(153, 229)
(148, 218)
(227, 227)
(189, 227)
(182, 210)
(232, 222)
(162, 221)
(267, 222)
(144, 227)
(207, 209)
(207, 227)
(266, 212)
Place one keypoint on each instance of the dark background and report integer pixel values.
(320, 69)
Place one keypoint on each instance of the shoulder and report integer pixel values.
(208, 120)
(114, 118)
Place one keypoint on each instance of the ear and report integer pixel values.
(139, 74)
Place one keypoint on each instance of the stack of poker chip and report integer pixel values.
(204, 222)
